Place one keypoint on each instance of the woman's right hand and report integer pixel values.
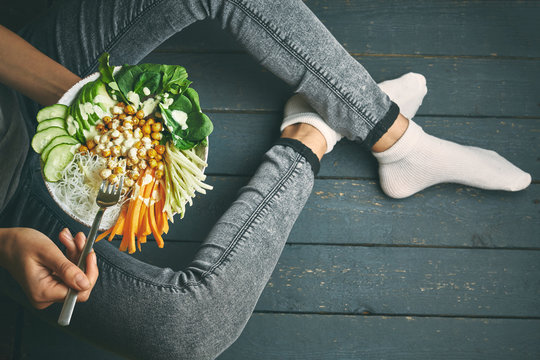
(41, 268)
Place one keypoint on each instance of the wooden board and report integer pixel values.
(356, 212)
(455, 28)
(456, 86)
(244, 138)
(322, 337)
(315, 337)
(391, 280)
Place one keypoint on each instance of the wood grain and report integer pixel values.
(456, 86)
(443, 28)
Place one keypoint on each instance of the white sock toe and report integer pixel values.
(418, 160)
(407, 92)
(297, 110)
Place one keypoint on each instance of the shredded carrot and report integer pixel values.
(104, 234)
(153, 226)
(118, 227)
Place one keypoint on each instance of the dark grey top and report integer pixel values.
(14, 144)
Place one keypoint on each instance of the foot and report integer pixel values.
(407, 92)
(418, 160)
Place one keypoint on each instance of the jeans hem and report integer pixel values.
(381, 127)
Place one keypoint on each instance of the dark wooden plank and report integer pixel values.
(244, 138)
(456, 86)
(16, 14)
(391, 280)
(8, 325)
(357, 212)
(43, 341)
(315, 337)
(470, 28)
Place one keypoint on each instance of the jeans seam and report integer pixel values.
(229, 248)
(247, 224)
(312, 68)
(120, 34)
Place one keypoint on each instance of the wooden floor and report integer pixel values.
(450, 273)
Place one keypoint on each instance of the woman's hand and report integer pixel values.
(41, 268)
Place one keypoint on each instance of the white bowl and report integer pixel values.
(111, 215)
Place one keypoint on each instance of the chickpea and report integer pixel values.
(151, 153)
(160, 165)
(158, 174)
(138, 133)
(115, 134)
(139, 114)
(157, 127)
(106, 153)
(83, 148)
(100, 127)
(141, 153)
(159, 157)
(150, 121)
(141, 122)
(118, 170)
(127, 125)
(117, 150)
(143, 165)
(129, 110)
(138, 145)
(106, 120)
(112, 178)
(160, 149)
(155, 143)
(90, 144)
(134, 175)
(152, 163)
(129, 182)
(147, 129)
(122, 117)
(121, 104)
(112, 163)
(157, 136)
(105, 173)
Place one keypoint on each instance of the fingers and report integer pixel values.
(92, 273)
(66, 270)
(67, 240)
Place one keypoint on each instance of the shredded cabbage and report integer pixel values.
(77, 190)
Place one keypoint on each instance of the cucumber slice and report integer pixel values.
(42, 138)
(71, 125)
(64, 139)
(59, 157)
(54, 122)
(53, 111)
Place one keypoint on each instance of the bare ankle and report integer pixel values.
(307, 135)
(392, 135)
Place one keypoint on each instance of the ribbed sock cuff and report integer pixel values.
(303, 150)
(382, 126)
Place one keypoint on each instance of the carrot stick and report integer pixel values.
(119, 225)
(144, 193)
(104, 234)
(153, 226)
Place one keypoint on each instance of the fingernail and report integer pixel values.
(82, 281)
(68, 233)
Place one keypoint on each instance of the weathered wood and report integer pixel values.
(315, 337)
(8, 325)
(470, 28)
(456, 86)
(240, 140)
(391, 280)
(357, 212)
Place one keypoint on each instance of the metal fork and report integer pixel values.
(108, 195)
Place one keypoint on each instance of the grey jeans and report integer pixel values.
(200, 311)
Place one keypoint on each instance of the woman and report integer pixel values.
(201, 311)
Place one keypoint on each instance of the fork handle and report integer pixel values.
(71, 297)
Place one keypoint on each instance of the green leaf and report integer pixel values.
(173, 77)
(182, 103)
(149, 80)
(199, 126)
(193, 96)
(107, 76)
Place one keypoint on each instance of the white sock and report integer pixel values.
(297, 110)
(418, 160)
(407, 92)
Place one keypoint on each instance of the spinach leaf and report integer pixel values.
(178, 135)
(182, 103)
(193, 96)
(149, 80)
(174, 77)
(199, 126)
(107, 76)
